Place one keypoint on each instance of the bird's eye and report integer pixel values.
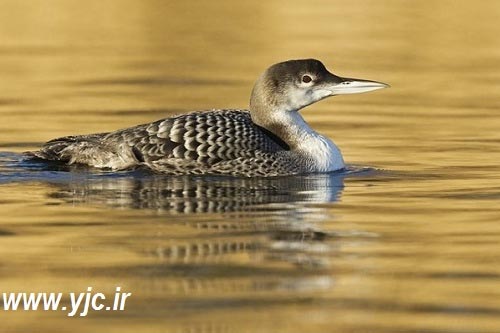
(306, 78)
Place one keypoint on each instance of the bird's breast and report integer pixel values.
(323, 153)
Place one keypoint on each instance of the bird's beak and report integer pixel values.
(343, 86)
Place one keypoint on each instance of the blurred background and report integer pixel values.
(410, 247)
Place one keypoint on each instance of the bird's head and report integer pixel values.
(295, 84)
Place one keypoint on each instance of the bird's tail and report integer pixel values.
(84, 149)
(62, 149)
(96, 150)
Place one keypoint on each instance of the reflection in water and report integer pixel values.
(271, 207)
(200, 194)
(272, 219)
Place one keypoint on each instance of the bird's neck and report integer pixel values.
(292, 129)
(289, 126)
(271, 110)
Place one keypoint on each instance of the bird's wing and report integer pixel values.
(202, 137)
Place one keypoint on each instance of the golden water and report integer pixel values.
(409, 244)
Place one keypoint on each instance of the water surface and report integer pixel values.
(406, 240)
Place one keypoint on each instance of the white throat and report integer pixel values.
(324, 154)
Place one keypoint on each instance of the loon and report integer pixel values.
(269, 139)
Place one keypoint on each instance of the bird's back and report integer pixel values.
(193, 143)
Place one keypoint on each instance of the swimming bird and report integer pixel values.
(269, 139)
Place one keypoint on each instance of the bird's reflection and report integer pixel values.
(227, 225)
(200, 194)
(270, 219)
